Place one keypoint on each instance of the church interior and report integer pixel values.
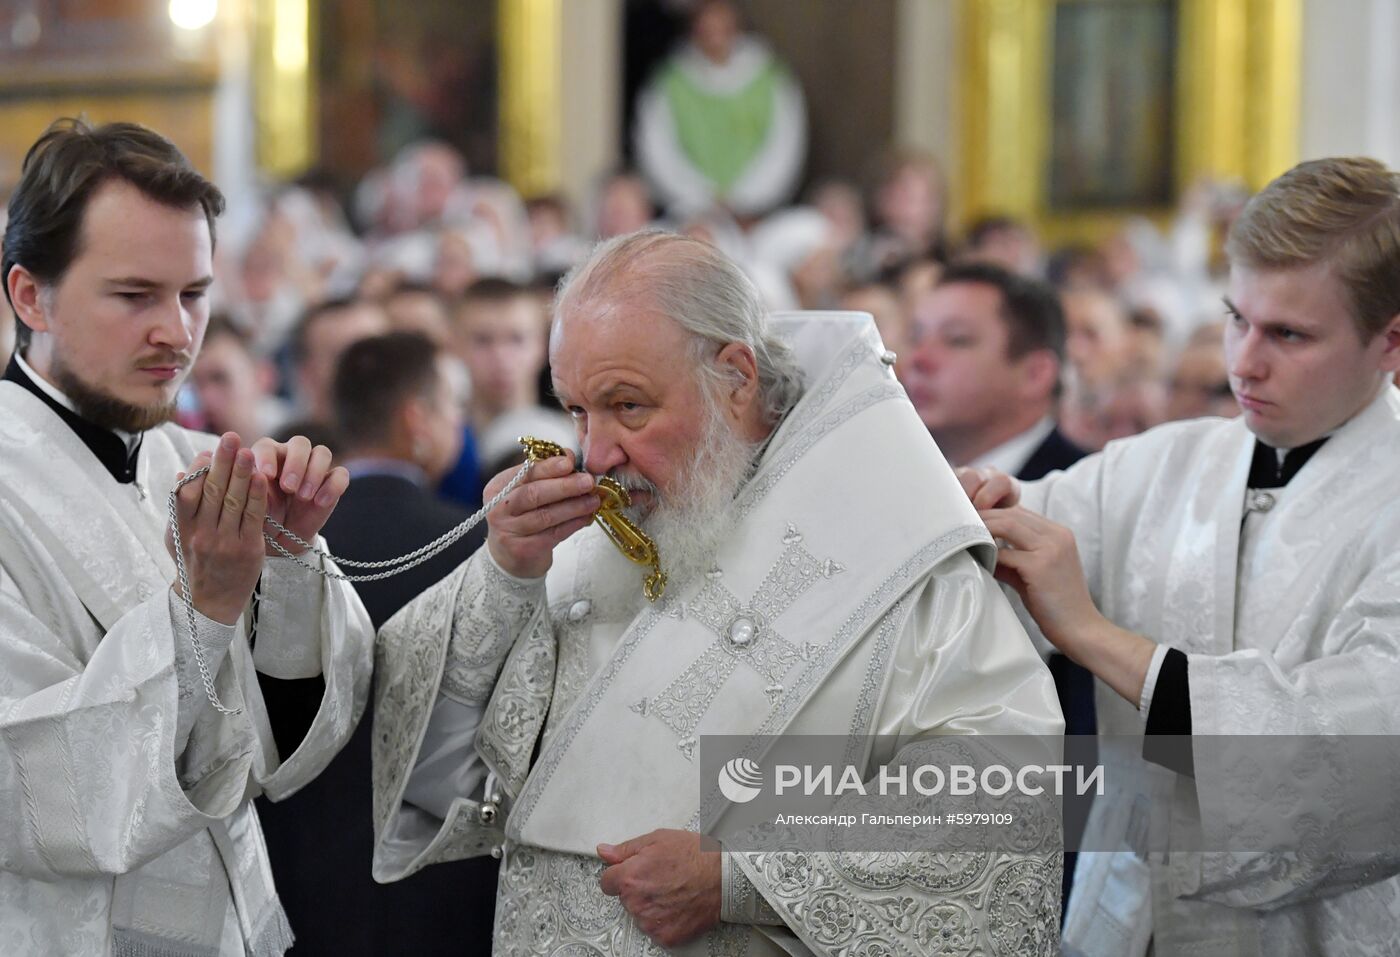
(1060, 215)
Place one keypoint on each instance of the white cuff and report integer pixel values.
(517, 584)
(492, 610)
(290, 603)
(214, 638)
(1149, 685)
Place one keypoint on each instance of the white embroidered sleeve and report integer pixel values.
(1073, 498)
(492, 609)
(438, 661)
(73, 805)
(308, 626)
(449, 766)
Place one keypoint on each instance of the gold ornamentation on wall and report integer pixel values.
(283, 86)
(530, 52)
(1236, 109)
(101, 60)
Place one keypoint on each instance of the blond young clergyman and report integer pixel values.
(1241, 577)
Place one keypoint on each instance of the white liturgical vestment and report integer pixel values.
(1289, 615)
(852, 597)
(126, 799)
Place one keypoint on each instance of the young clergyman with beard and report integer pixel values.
(125, 792)
(1240, 576)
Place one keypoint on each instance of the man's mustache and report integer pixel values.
(631, 482)
(177, 360)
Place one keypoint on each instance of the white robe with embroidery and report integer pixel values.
(870, 610)
(1290, 619)
(126, 800)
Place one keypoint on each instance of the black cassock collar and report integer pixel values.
(1265, 471)
(109, 448)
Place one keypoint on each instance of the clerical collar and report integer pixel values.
(1275, 468)
(117, 451)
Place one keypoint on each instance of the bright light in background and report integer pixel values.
(291, 39)
(193, 14)
(26, 30)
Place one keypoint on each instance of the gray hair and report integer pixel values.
(701, 289)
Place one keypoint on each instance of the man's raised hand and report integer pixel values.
(221, 528)
(551, 504)
(303, 488)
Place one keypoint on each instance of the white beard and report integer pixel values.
(691, 524)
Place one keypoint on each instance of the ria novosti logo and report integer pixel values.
(740, 780)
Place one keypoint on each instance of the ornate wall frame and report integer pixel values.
(1237, 100)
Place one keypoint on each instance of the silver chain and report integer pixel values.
(394, 565)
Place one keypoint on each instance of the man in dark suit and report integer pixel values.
(398, 420)
(400, 427)
(984, 375)
(1053, 453)
(987, 347)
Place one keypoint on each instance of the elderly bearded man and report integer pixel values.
(812, 589)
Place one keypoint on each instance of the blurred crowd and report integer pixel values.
(466, 262)
(423, 245)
